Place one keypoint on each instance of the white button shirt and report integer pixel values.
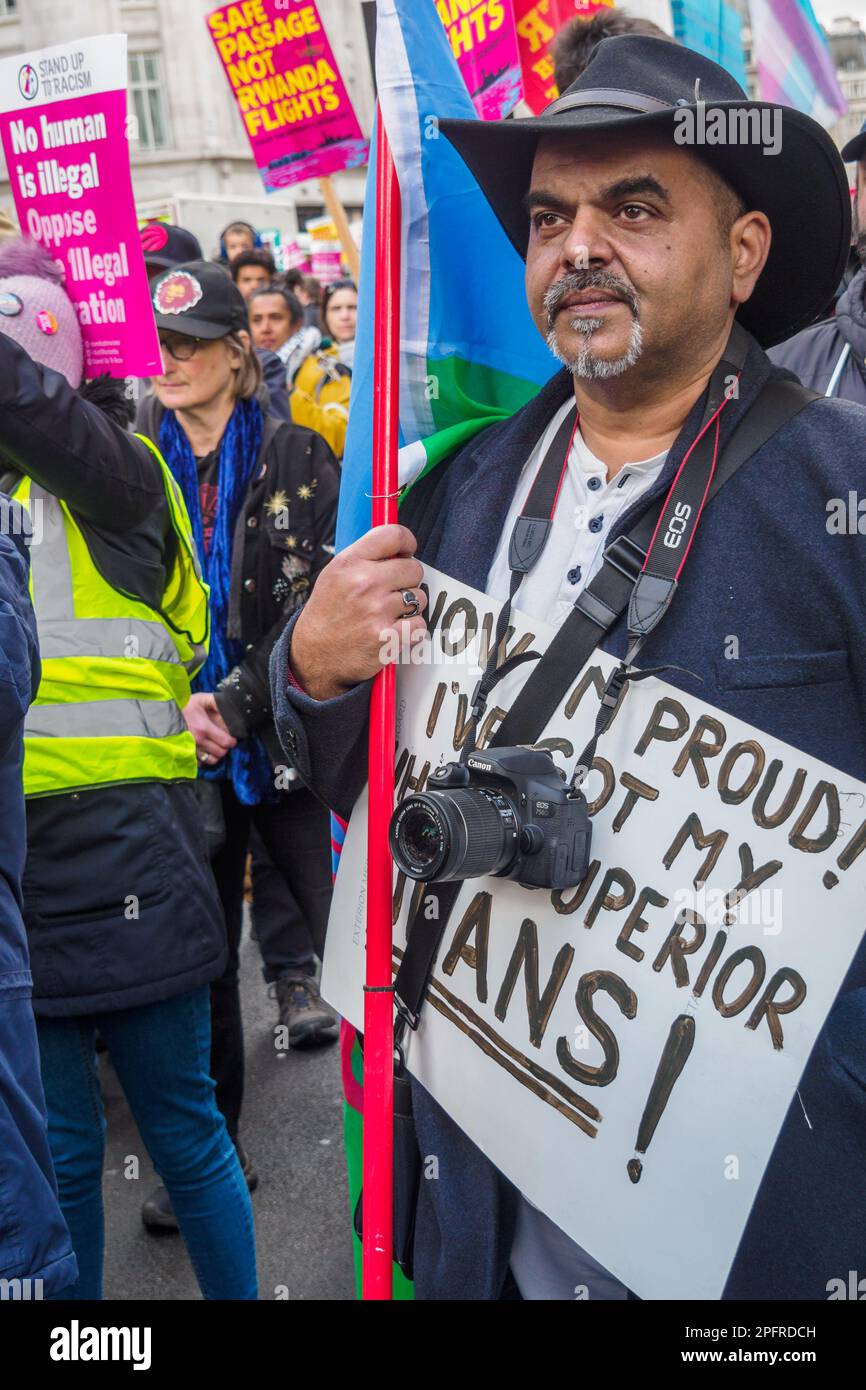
(545, 1263)
(586, 511)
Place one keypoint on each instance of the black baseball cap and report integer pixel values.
(165, 245)
(198, 300)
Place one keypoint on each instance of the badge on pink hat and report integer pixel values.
(177, 292)
(46, 322)
(154, 237)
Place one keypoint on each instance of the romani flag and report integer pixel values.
(469, 353)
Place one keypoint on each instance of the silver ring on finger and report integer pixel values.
(412, 602)
(204, 759)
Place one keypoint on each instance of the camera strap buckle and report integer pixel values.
(478, 703)
(405, 1019)
(613, 689)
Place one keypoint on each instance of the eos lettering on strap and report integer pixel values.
(676, 526)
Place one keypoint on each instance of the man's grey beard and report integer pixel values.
(587, 364)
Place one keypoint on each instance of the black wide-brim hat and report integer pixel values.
(638, 83)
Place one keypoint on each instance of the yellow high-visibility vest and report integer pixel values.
(115, 672)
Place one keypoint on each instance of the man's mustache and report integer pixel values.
(579, 280)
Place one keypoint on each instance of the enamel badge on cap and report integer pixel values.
(177, 292)
(46, 322)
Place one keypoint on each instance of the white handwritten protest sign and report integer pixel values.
(626, 1051)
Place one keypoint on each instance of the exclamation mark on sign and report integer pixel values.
(676, 1053)
(855, 847)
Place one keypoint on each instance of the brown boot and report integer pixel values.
(157, 1212)
(304, 1013)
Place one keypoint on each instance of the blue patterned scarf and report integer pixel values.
(248, 764)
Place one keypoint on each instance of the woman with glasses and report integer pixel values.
(262, 498)
(323, 384)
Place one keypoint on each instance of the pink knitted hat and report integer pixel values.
(36, 311)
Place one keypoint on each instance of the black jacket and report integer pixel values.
(283, 538)
(119, 901)
(108, 479)
(813, 354)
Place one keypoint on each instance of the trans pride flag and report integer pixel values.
(469, 352)
(794, 63)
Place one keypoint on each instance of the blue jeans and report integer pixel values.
(161, 1055)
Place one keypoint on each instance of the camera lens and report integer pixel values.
(457, 834)
(421, 837)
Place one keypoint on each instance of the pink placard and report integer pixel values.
(484, 42)
(327, 266)
(292, 100)
(63, 124)
(295, 258)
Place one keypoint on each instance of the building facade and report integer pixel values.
(848, 47)
(191, 158)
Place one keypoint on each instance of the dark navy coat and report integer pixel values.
(34, 1241)
(764, 567)
(813, 355)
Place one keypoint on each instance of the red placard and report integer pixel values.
(538, 23)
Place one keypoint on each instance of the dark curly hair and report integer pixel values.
(258, 256)
(575, 42)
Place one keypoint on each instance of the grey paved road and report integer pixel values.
(293, 1130)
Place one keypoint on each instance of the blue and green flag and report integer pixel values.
(469, 352)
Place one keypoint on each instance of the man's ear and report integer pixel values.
(751, 237)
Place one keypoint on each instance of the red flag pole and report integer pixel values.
(378, 999)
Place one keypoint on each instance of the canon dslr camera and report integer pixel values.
(505, 812)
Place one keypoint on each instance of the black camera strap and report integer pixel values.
(650, 568)
(639, 573)
(641, 569)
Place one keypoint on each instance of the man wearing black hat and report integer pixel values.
(659, 265)
(830, 357)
